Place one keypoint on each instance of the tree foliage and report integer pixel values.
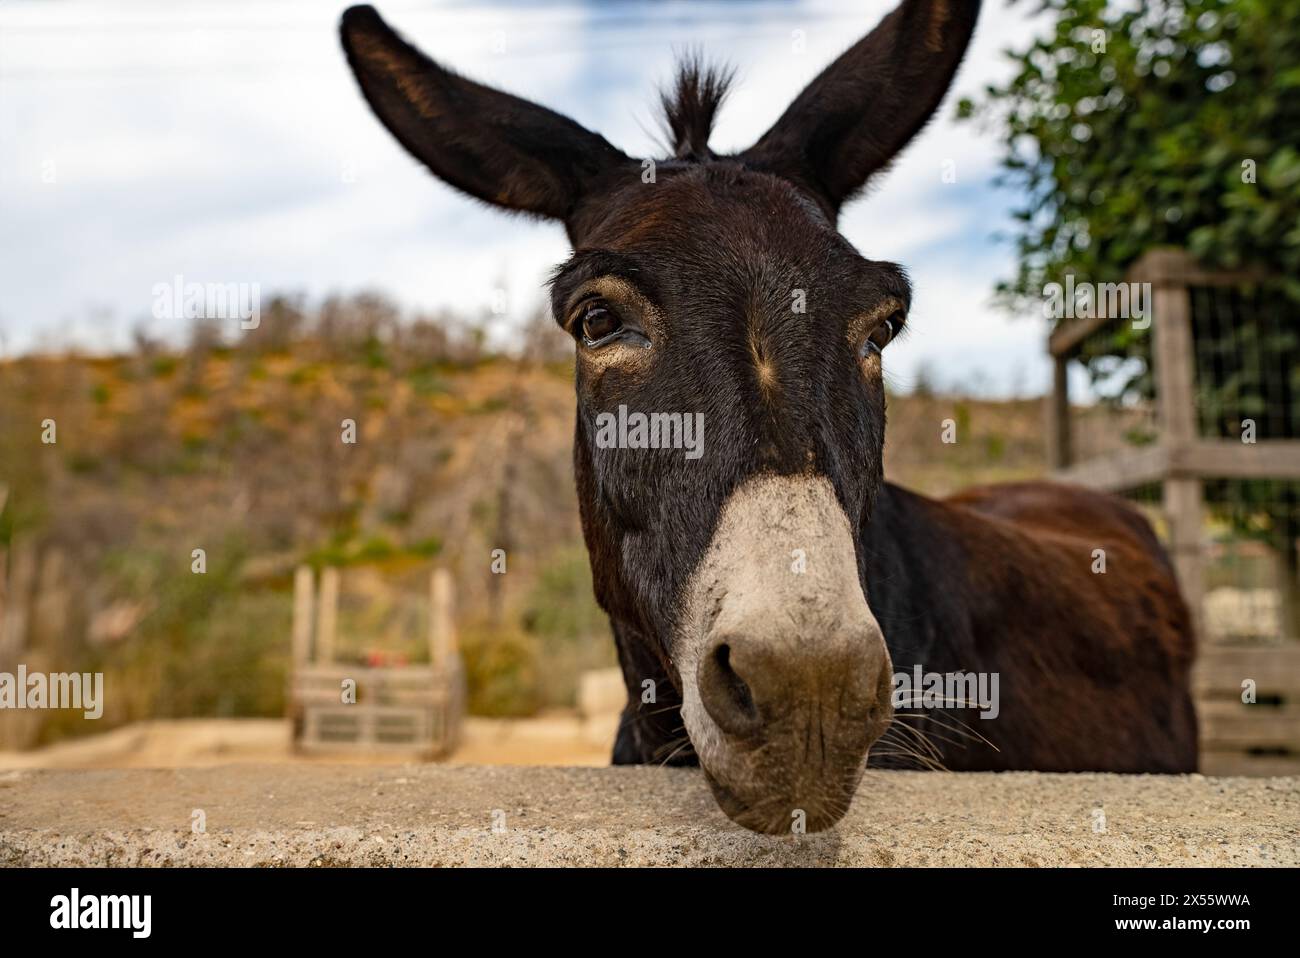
(1172, 122)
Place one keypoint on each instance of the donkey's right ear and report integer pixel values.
(492, 145)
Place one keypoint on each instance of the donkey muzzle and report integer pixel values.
(786, 677)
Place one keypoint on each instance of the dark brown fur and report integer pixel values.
(1094, 667)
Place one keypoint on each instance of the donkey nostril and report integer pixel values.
(739, 690)
(725, 694)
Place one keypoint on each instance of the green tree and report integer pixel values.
(1168, 123)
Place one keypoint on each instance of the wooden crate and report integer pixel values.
(411, 709)
(1262, 738)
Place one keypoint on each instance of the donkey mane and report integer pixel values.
(691, 105)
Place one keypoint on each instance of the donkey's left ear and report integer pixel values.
(864, 108)
(497, 147)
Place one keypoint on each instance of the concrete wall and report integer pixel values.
(445, 815)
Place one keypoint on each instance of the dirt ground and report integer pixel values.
(555, 739)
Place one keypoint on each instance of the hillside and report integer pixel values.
(239, 451)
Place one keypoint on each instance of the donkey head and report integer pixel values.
(717, 290)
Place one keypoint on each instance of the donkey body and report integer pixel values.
(763, 596)
(1093, 666)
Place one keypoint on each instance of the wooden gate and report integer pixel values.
(1247, 687)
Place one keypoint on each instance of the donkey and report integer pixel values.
(762, 595)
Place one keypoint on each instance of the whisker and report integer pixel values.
(966, 730)
(918, 736)
(639, 716)
(685, 744)
(925, 761)
(939, 717)
(918, 699)
(930, 734)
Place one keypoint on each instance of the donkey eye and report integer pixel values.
(599, 322)
(883, 334)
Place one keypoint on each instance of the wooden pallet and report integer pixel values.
(414, 709)
(1262, 738)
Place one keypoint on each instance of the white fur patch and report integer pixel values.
(782, 567)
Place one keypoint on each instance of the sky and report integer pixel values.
(226, 142)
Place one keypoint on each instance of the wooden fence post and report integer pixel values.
(327, 612)
(22, 584)
(442, 617)
(4, 572)
(304, 588)
(1175, 370)
(4, 591)
(1059, 452)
